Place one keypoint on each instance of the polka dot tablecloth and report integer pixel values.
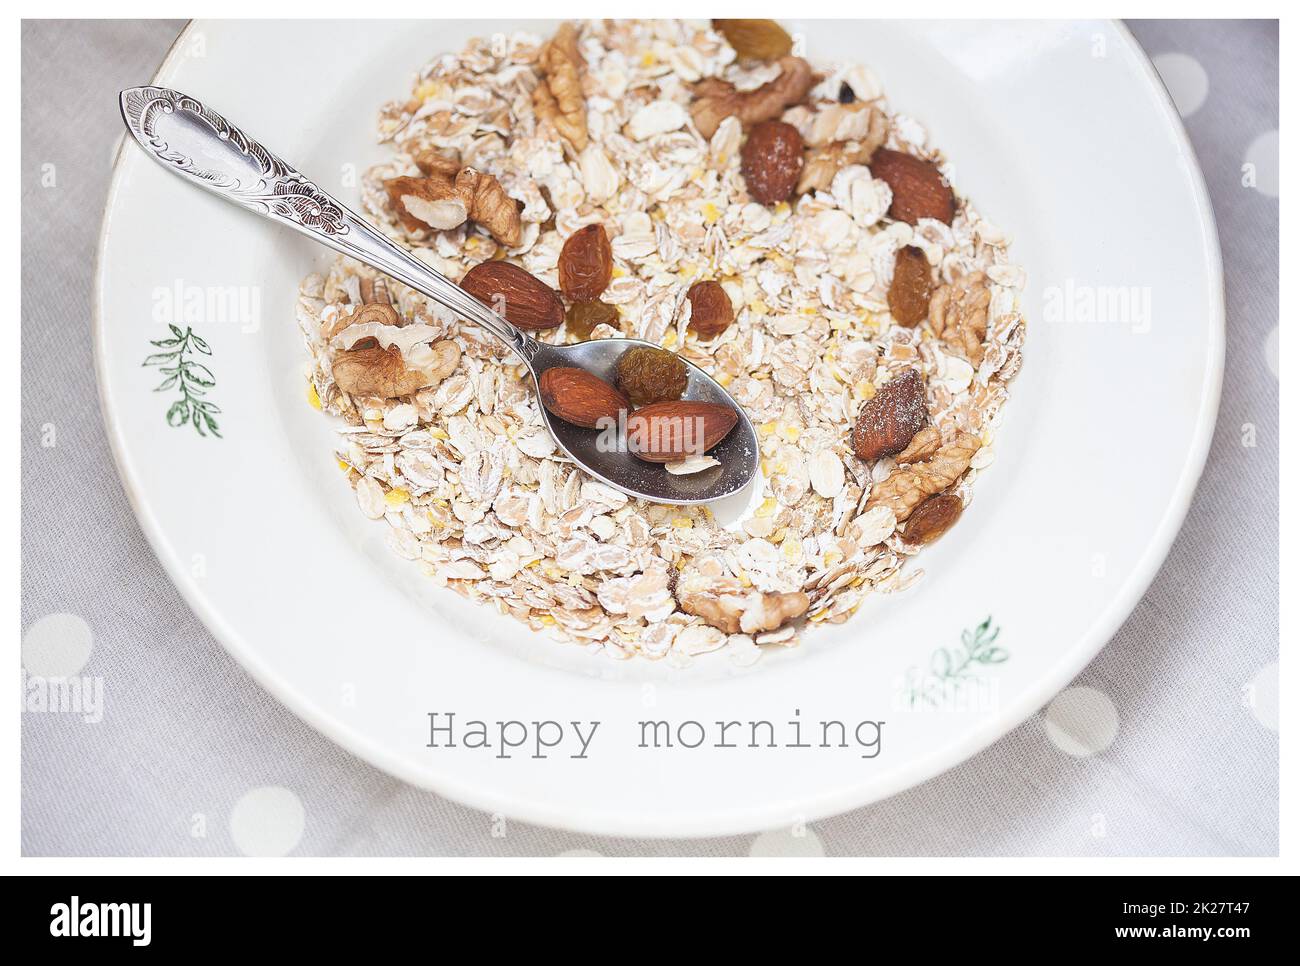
(1165, 745)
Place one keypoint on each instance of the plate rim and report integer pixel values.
(731, 821)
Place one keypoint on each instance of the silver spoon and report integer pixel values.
(201, 146)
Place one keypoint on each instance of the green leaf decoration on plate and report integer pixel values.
(951, 669)
(184, 374)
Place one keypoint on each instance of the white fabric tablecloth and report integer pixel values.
(192, 758)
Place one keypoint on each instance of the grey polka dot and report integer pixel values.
(1081, 721)
(267, 821)
(57, 646)
(783, 843)
(1262, 696)
(1185, 79)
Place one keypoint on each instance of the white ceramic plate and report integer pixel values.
(1063, 136)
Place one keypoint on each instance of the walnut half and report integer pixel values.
(716, 100)
(443, 202)
(385, 373)
(376, 355)
(745, 612)
(959, 315)
(376, 372)
(905, 488)
(558, 97)
(923, 445)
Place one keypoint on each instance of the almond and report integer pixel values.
(920, 190)
(669, 431)
(579, 397)
(522, 298)
(888, 420)
(771, 161)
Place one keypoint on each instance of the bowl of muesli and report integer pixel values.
(894, 245)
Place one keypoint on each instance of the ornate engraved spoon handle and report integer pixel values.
(205, 149)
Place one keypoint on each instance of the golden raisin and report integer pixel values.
(911, 288)
(755, 39)
(711, 310)
(648, 375)
(932, 519)
(582, 317)
(586, 264)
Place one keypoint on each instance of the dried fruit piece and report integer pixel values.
(558, 96)
(911, 287)
(668, 431)
(905, 488)
(755, 39)
(771, 160)
(932, 519)
(586, 263)
(716, 99)
(920, 190)
(582, 317)
(580, 397)
(649, 375)
(888, 420)
(711, 310)
(522, 298)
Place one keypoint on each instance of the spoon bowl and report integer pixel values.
(203, 148)
(737, 454)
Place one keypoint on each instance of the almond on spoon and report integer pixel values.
(579, 397)
(670, 431)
